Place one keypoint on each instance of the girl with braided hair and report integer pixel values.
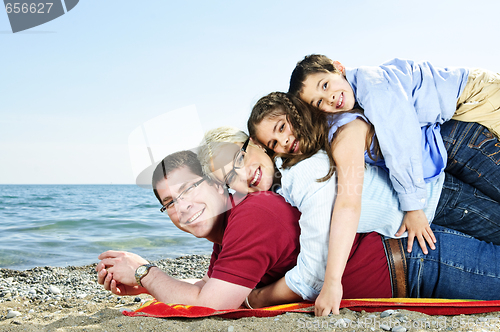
(295, 131)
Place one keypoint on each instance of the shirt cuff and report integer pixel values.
(414, 201)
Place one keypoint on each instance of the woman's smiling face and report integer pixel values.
(256, 174)
(277, 134)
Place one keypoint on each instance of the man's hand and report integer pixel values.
(415, 222)
(116, 271)
(328, 300)
(121, 289)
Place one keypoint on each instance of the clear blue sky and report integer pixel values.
(72, 90)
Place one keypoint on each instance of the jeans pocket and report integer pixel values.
(479, 194)
(484, 141)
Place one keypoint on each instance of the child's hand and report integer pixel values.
(415, 222)
(328, 300)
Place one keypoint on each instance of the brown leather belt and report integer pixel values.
(396, 260)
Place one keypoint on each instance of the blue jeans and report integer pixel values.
(461, 267)
(466, 209)
(473, 155)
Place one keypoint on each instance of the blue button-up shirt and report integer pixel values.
(399, 98)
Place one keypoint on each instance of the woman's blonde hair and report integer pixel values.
(213, 141)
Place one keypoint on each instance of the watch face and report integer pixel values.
(141, 269)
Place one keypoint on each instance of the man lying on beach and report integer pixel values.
(247, 251)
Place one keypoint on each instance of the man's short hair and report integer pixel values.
(172, 162)
(211, 144)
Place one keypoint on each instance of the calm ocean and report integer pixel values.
(61, 225)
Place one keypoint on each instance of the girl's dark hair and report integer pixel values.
(311, 64)
(309, 126)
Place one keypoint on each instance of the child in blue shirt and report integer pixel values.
(401, 98)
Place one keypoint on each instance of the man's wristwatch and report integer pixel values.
(142, 271)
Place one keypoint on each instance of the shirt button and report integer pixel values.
(422, 200)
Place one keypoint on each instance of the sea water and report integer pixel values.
(63, 225)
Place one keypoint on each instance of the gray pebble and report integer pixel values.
(137, 299)
(398, 329)
(385, 327)
(13, 314)
(386, 313)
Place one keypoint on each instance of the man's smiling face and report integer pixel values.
(200, 210)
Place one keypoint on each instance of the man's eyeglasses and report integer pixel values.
(238, 162)
(188, 191)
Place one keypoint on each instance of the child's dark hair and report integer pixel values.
(310, 126)
(318, 63)
(311, 64)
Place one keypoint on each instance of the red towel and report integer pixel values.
(154, 308)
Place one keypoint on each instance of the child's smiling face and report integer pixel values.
(330, 92)
(277, 134)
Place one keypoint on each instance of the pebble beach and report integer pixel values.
(69, 299)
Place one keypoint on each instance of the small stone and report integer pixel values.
(386, 313)
(13, 314)
(385, 327)
(125, 309)
(81, 295)
(371, 316)
(230, 329)
(399, 328)
(16, 322)
(276, 319)
(341, 323)
(31, 311)
(137, 299)
(54, 290)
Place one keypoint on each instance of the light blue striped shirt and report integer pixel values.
(379, 212)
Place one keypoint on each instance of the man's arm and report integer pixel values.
(273, 294)
(116, 272)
